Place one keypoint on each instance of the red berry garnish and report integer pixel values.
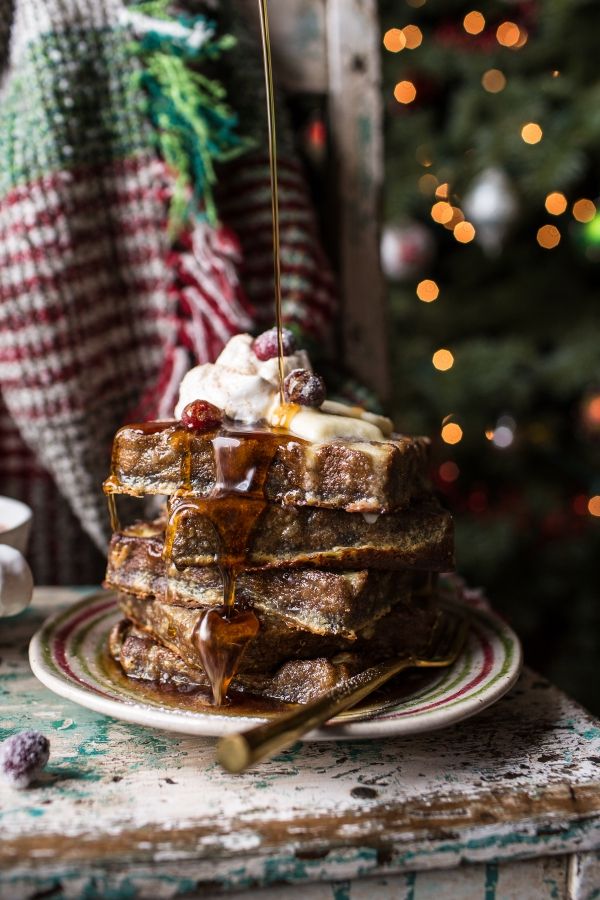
(200, 415)
(305, 388)
(266, 347)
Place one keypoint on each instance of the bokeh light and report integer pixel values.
(441, 212)
(448, 471)
(464, 232)
(394, 40)
(427, 290)
(556, 203)
(584, 210)
(405, 92)
(594, 505)
(531, 133)
(508, 34)
(413, 36)
(548, 237)
(493, 81)
(474, 22)
(442, 359)
(452, 433)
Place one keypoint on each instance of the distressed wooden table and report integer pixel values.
(506, 805)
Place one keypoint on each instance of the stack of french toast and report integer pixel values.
(341, 541)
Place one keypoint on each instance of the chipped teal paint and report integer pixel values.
(491, 881)
(341, 890)
(591, 734)
(411, 880)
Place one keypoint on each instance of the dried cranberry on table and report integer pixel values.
(200, 415)
(305, 388)
(265, 346)
(22, 758)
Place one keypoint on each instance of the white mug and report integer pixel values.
(16, 580)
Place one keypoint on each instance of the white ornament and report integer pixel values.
(405, 249)
(491, 205)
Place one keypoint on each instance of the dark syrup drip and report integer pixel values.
(242, 456)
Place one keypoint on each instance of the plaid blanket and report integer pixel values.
(102, 309)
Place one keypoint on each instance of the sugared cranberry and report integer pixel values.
(22, 758)
(265, 345)
(200, 415)
(305, 388)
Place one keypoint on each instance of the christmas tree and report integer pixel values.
(492, 245)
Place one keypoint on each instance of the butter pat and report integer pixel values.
(247, 390)
(316, 426)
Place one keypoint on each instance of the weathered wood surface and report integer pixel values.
(125, 811)
(355, 111)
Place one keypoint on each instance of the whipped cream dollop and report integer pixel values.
(247, 390)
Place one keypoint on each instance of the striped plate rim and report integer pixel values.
(68, 656)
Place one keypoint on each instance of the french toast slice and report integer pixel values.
(419, 537)
(143, 658)
(162, 458)
(323, 601)
(407, 628)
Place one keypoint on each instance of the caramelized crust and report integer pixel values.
(298, 681)
(320, 600)
(162, 457)
(407, 628)
(419, 537)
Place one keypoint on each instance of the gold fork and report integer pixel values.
(237, 752)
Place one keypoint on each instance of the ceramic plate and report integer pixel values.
(68, 655)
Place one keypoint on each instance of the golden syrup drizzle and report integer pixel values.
(272, 133)
(242, 457)
(112, 512)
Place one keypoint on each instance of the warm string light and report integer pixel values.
(441, 212)
(556, 203)
(413, 36)
(451, 433)
(464, 232)
(442, 360)
(442, 191)
(508, 34)
(584, 210)
(405, 92)
(531, 133)
(474, 22)
(594, 505)
(427, 290)
(548, 237)
(493, 81)
(394, 40)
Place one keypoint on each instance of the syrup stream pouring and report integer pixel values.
(272, 130)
